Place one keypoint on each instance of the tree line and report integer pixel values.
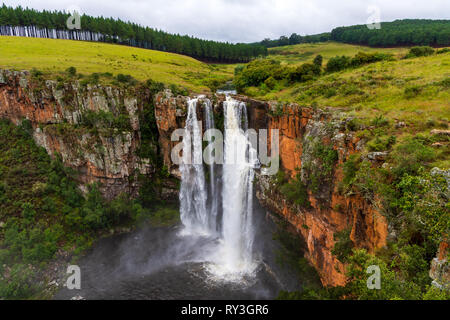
(127, 33)
(408, 32)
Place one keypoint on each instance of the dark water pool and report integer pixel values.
(159, 263)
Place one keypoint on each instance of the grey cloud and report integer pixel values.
(251, 20)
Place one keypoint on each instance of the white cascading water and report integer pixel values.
(237, 193)
(214, 199)
(234, 256)
(193, 193)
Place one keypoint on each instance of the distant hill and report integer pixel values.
(406, 32)
(52, 24)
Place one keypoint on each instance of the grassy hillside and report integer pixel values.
(55, 56)
(297, 54)
(414, 90)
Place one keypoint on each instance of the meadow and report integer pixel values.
(300, 53)
(54, 56)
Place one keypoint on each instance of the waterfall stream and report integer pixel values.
(193, 192)
(199, 201)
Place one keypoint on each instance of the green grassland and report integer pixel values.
(300, 53)
(381, 87)
(54, 56)
(414, 91)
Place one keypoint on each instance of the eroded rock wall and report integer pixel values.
(56, 110)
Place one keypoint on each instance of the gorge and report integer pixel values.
(314, 144)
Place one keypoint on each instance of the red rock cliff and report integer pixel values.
(55, 111)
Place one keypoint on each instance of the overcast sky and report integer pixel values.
(248, 20)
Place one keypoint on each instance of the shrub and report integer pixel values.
(256, 72)
(36, 73)
(410, 155)
(350, 167)
(71, 71)
(296, 192)
(305, 72)
(318, 60)
(381, 143)
(412, 92)
(270, 82)
(343, 244)
(420, 51)
(362, 58)
(443, 50)
(338, 63)
(126, 78)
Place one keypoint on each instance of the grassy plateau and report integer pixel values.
(54, 56)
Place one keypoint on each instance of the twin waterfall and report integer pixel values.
(216, 199)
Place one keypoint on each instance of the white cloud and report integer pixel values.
(248, 20)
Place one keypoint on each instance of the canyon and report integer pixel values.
(110, 155)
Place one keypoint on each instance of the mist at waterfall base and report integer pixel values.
(223, 249)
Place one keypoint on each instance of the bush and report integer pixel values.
(126, 78)
(362, 58)
(338, 63)
(305, 72)
(36, 73)
(270, 82)
(71, 71)
(296, 192)
(412, 92)
(410, 155)
(420, 51)
(343, 244)
(443, 50)
(318, 60)
(256, 72)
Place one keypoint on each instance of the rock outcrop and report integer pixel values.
(440, 268)
(301, 130)
(100, 152)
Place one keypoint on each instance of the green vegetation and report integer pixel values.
(300, 53)
(294, 190)
(397, 33)
(132, 34)
(43, 211)
(94, 63)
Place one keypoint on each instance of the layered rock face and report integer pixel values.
(301, 130)
(57, 113)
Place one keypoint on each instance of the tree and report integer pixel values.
(318, 60)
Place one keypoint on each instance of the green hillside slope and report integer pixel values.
(54, 56)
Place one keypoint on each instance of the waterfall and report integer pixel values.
(237, 194)
(193, 194)
(200, 202)
(213, 187)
